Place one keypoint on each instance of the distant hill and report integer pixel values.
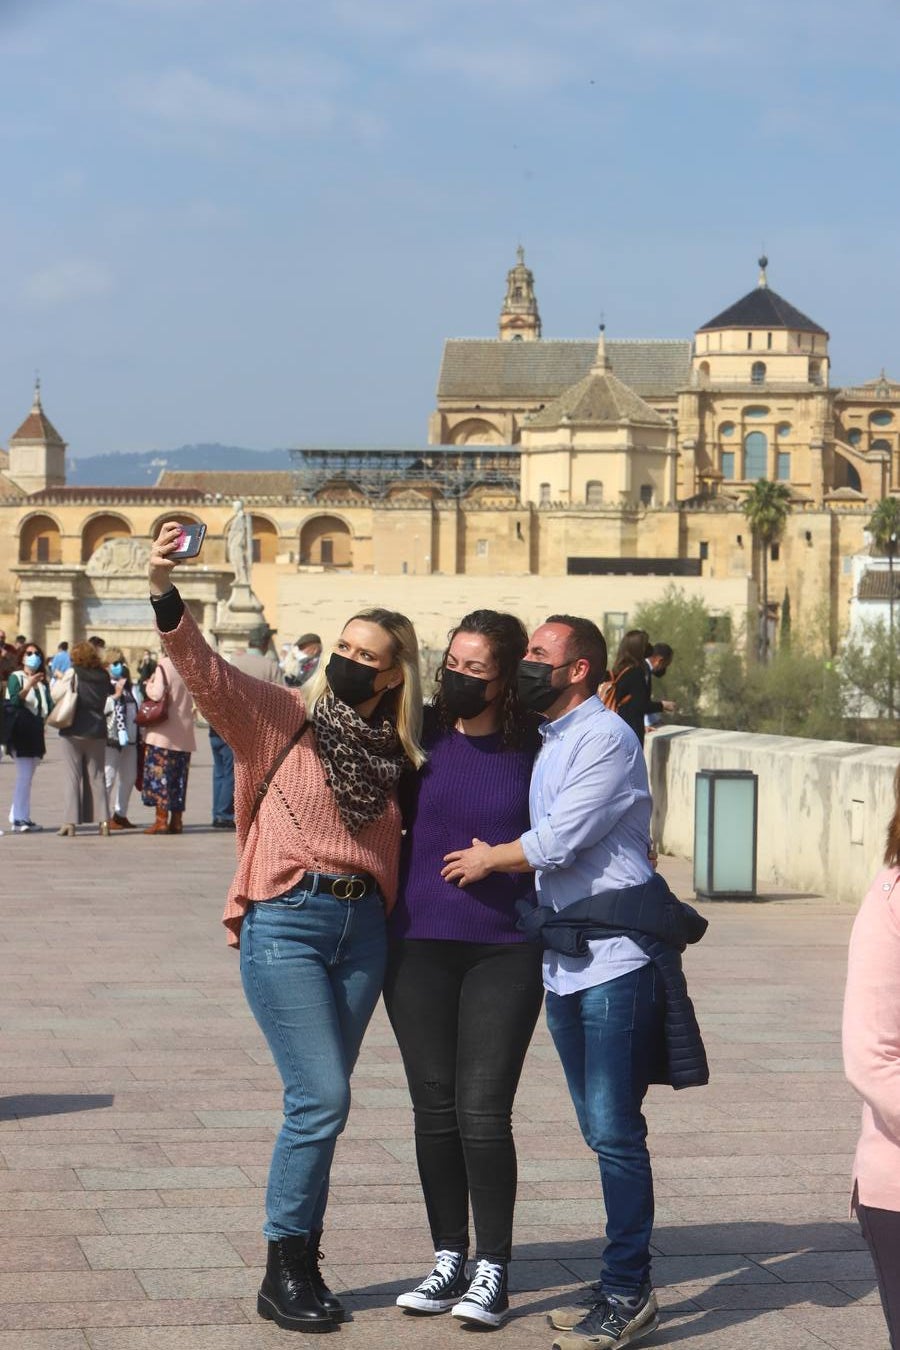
(141, 469)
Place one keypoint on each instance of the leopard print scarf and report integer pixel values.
(362, 763)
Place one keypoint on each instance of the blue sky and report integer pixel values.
(255, 221)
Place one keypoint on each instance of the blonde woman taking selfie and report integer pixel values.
(318, 833)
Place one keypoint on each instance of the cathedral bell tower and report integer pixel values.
(519, 317)
(37, 452)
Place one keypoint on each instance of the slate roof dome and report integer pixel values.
(763, 308)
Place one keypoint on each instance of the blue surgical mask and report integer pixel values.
(117, 670)
(33, 661)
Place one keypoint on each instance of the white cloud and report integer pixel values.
(509, 68)
(68, 280)
(260, 95)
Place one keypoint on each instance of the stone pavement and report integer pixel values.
(139, 1106)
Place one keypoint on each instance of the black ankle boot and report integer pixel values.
(329, 1301)
(286, 1295)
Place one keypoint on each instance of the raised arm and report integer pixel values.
(236, 704)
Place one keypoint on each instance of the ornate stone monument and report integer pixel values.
(242, 611)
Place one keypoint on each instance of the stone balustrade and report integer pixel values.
(824, 806)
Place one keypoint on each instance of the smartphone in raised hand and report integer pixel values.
(189, 542)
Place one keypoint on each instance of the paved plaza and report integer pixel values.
(139, 1106)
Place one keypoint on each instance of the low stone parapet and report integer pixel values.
(824, 806)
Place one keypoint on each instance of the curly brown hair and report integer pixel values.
(508, 642)
(85, 654)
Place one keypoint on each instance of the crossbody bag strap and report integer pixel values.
(282, 755)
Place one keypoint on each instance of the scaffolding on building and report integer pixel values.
(453, 469)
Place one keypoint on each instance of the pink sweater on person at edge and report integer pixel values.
(872, 1040)
(298, 827)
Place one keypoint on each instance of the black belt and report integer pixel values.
(355, 886)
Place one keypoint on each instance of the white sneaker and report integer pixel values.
(442, 1288)
(485, 1301)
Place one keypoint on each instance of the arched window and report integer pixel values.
(476, 431)
(265, 539)
(758, 372)
(326, 541)
(703, 372)
(40, 541)
(646, 494)
(854, 436)
(880, 444)
(101, 528)
(594, 493)
(756, 454)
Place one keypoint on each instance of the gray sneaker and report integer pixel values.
(612, 1323)
(564, 1319)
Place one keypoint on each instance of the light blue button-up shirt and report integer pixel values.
(590, 831)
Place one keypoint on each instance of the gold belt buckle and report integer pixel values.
(348, 888)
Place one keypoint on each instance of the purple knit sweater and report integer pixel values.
(470, 788)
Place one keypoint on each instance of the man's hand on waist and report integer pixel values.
(465, 866)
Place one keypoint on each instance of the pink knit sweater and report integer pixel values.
(298, 828)
(872, 1040)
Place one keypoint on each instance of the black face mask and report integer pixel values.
(463, 696)
(535, 684)
(351, 681)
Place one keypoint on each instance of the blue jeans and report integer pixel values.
(608, 1040)
(312, 969)
(223, 777)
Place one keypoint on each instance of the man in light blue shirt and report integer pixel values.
(590, 835)
(61, 662)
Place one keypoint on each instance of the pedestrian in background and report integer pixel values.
(28, 700)
(61, 662)
(120, 767)
(168, 746)
(871, 1041)
(83, 743)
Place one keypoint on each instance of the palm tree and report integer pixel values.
(884, 527)
(766, 507)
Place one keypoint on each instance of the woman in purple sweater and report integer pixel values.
(463, 990)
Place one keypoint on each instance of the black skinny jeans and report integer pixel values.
(881, 1229)
(464, 1014)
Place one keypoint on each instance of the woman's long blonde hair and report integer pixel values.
(408, 698)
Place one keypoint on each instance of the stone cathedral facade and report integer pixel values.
(544, 458)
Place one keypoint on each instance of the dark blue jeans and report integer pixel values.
(608, 1038)
(312, 969)
(223, 777)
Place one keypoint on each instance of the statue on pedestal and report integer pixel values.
(239, 545)
(242, 612)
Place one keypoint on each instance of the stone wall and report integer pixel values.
(323, 601)
(824, 806)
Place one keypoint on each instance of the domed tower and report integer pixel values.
(519, 317)
(37, 452)
(761, 340)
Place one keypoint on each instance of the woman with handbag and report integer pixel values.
(167, 716)
(121, 739)
(79, 714)
(318, 833)
(26, 707)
